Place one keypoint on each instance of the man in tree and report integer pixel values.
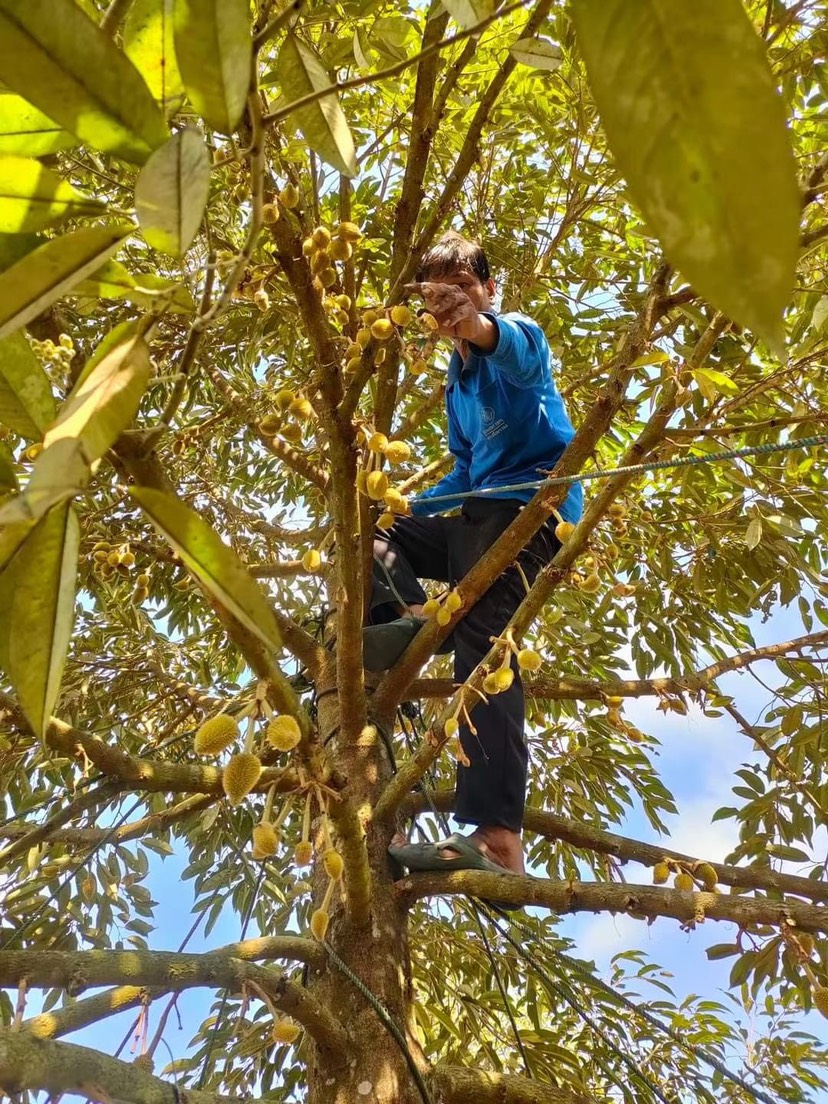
(506, 422)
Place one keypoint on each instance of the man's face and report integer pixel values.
(481, 295)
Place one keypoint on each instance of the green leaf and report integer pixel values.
(171, 193)
(149, 45)
(60, 472)
(540, 53)
(105, 402)
(753, 536)
(25, 130)
(51, 270)
(722, 950)
(716, 382)
(323, 122)
(214, 48)
(26, 402)
(216, 566)
(8, 476)
(701, 139)
(32, 197)
(64, 64)
(656, 356)
(15, 246)
(147, 289)
(37, 600)
(468, 12)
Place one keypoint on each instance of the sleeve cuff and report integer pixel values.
(504, 339)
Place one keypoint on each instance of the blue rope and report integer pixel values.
(630, 469)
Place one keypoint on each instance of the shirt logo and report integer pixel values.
(492, 425)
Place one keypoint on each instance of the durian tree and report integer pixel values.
(211, 392)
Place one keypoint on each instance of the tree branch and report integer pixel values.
(458, 1085)
(641, 902)
(58, 1068)
(576, 833)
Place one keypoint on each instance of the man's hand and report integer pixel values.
(456, 314)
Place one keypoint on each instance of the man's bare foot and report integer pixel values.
(501, 845)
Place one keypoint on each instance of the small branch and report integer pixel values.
(587, 837)
(421, 412)
(427, 474)
(294, 459)
(641, 902)
(34, 836)
(276, 24)
(114, 16)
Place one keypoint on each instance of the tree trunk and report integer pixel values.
(376, 1070)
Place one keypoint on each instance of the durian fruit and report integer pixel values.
(396, 501)
(614, 716)
(284, 397)
(303, 853)
(529, 660)
(661, 873)
(377, 442)
(820, 995)
(397, 452)
(139, 595)
(312, 559)
(385, 521)
(144, 1062)
(289, 195)
(564, 530)
(490, 686)
(240, 776)
(319, 923)
(308, 247)
(270, 424)
(340, 250)
(262, 300)
(453, 601)
(429, 322)
(352, 365)
(442, 616)
(617, 510)
(320, 261)
(349, 231)
(301, 408)
(503, 678)
(343, 302)
(369, 317)
(451, 727)
(806, 942)
(292, 432)
(354, 351)
(285, 1031)
(431, 607)
(707, 875)
(321, 237)
(265, 839)
(591, 584)
(684, 882)
(401, 315)
(283, 732)
(270, 213)
(334, 863)
(142, 580)
(363, 337)
(376, 485)
(216, 735)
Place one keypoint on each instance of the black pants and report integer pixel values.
(492, 791)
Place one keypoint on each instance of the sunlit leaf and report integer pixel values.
(60, 472)
(15, 246)
(32, 197)
(150, 46)
(25, 130)
(55, 56)
(147, 289)
(540, 53)
(106, 400)
(26, 402)
(468, 12)
(217, 567)
(8, 477)
(213, 46)
(718, 187)
(171, 193)
(323, 122)
(37, 601)
(52, 270)
(753, 536)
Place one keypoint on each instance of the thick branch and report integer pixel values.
(552, 826)
(57, 1068)
(458, 1085)
(642, 902)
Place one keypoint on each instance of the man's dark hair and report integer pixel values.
(452, 254)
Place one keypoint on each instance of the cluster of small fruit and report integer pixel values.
(686, 874)
(242, 773)
(324, 247)
(109, 561)
(374, 483)
(378, 324)
(55, 358)
(800, 946)
(286, 420)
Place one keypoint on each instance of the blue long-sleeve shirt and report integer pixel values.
(506, 419)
